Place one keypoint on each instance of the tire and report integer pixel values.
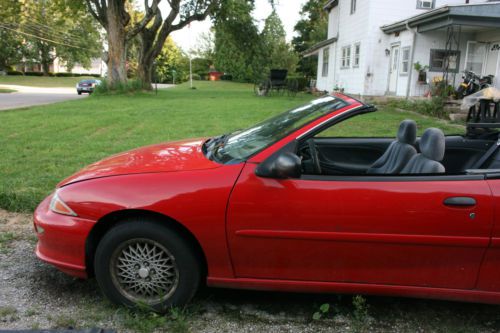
(150, 256)
(79, 92)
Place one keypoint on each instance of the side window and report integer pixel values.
(326, 60)
(357, 51)
(353, 6)
(405, 61)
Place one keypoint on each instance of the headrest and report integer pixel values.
(407, 132)
(432, 144)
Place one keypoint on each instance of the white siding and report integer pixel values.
(371, 77)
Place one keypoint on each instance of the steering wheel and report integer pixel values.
(314, 156)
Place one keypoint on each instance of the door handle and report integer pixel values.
(459, 202)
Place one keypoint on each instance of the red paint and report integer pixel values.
(374, 237)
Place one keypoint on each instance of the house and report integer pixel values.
(372, 46)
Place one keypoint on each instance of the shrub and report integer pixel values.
(65, 74)
(302, 81)
(33, 73)
(196, 77)
(15, 73)
(123, 88)
(433, 107)
(227, 77)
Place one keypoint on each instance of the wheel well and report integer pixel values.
(104, 224)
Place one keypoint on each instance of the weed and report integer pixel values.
(143, 320)
(360, 314)
(323, 310)
(8, 313)
(5, 239)
(63, 321)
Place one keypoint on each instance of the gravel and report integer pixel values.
(34, 295)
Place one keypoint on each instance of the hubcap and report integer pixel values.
(144, 271)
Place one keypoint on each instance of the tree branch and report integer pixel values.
(151, 12)
(99, 13)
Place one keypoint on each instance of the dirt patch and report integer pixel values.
(36, 295)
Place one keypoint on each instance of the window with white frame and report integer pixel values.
(405, 60)
(357, 51)
(353, 6)
(425, 4)
(326, 60)
(345, 60)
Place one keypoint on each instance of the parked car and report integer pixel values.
(280, 206)
(87, 86)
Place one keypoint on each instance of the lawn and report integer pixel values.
(41, 81)
(6, 91)
(42, 145)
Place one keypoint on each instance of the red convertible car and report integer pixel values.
(282, 206)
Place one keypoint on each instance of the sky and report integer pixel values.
(288, 11)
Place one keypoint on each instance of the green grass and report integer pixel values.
(41, 81)
(6, 91)
(42, 145)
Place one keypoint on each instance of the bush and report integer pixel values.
(196, 77)
(227, 77)
(433, 107)
(302, 81)
(33, 73)
(130, 87)
(15, 73)
(65, 74)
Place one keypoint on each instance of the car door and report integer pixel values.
(398, 230)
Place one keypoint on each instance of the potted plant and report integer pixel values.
(422, 72)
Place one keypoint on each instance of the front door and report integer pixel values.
(393, 69)
(492, 62)
(363, 229)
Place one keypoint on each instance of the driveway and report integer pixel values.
(30, 96)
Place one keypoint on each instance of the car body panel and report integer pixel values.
(358, 231)
(165, 157)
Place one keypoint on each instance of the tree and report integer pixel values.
(52, 29)
(171, 62)
(311, 29)
(238, 46)
(153, 37)
(11, 44)
(277, 51)
(114, 17)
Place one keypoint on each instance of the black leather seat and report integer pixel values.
(399, 152)
(432, 146)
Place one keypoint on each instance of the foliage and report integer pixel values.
(311, 29)
(53, 29)
(277, 52)
(420, 68)
(128, 87)
(238, 45)
(360, 316)
(433, 107)
(323, 310)
(172, 61)
(11, 44)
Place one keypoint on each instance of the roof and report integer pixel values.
(479, 15)
(330, 4)
(314, 49)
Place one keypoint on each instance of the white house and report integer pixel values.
(372, 45)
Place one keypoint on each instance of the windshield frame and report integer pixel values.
(345, 100)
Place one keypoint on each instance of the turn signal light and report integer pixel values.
(60, 207)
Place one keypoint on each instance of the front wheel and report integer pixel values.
(142, 263)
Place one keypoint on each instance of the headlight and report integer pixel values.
(58, 206)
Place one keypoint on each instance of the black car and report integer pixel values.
(87, 86)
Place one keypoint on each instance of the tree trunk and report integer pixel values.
(117, 46)
(45, 58)
(146, 58)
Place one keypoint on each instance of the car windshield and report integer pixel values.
(240, 145)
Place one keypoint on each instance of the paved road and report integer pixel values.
(30, 96)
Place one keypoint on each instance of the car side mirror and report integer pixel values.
(282, 166)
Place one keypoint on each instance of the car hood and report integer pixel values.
(165, 157)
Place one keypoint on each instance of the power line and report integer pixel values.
(41, 38)
(31, 28)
